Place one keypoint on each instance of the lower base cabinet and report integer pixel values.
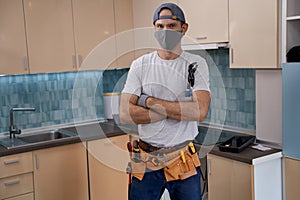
(229, 179)
(234, 180)
(292, 178)
(108, 160)
(16, 177)
(28, 196)
(60, 173)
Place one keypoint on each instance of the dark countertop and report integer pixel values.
(206, 141)
(85, 133)
(246, 156)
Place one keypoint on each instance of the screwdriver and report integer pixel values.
(182, 156)
(192, 147)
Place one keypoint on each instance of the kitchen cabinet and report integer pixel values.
(230, 179)
(253, 33)
(292, 178)
(28, 196)
(94, 33)
(207, 19)
(144, 41)
(144, 11)
(97, 24)
(290, 26)
(60, 173)
(124, 32)
(13, 54)
(16, 179)
(50, 38)
(108, 160)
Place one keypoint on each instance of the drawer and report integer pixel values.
(28, 196)
(16, 164)
(16, 185)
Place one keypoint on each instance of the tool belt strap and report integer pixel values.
(175, 167)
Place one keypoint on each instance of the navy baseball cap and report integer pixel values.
(177, 13)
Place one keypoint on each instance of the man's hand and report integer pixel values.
(131, 113)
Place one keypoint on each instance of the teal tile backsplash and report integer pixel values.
(58, 98)
(232, 91)
(77, 96)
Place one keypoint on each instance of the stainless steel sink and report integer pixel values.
(40, 137)
(34, 138)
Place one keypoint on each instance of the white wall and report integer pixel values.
(269, 105)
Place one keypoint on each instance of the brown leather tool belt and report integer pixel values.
(178, 162)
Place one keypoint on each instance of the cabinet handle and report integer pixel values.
(36, 161)
(201, 38)
(231, 55)
(74, 61)
(25, 63)
(208, 166)
(9, 162)
(79, 60)
(14, 182)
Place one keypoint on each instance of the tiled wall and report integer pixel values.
(58, 98)
(233, 91)
(77, 96)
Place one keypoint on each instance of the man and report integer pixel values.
(166, 94)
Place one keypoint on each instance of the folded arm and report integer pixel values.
(131, 113)
(195, 110)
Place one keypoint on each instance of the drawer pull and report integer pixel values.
(201, 38)
(10, 183)
(110, 143)
(9, 162)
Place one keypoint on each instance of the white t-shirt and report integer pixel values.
(167, 80)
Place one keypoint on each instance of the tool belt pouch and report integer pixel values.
(138, 169)
(178, 170)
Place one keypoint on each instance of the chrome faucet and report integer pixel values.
(13, 128)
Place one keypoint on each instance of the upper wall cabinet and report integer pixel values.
(124, 32)
(144, 40)
(49, 26)
(290, 26)
(207, 19)
(13, 55)
(98, 28)
(253, 30)
(144, 11)
(94, 31)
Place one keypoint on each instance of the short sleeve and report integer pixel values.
(201, 76)
(133, 83)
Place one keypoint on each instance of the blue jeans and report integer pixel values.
(154, 183)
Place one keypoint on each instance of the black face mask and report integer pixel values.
(168, 39)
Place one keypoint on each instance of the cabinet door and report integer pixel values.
(292, 178)
(28, 196)
(13, 55)
(108, 160)
(144, 11)
(207, 19)
(124, 32)
(60, 173)
(144, 40)
(94, 33)
(253, 30)
(229, 179)
(50, 37)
